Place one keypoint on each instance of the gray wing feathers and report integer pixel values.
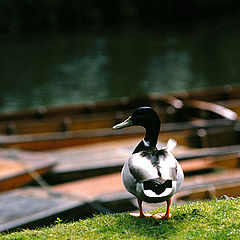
(143, 168)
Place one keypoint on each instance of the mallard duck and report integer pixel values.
(150, 174)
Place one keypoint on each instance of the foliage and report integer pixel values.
(217, 219)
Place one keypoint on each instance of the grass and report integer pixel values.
(217, 219)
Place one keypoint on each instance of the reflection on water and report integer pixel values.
(70, 68)
(173, 67)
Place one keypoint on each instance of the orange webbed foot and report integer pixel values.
(162, 216)
(141, 215)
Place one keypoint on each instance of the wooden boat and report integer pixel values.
(103, 158)
(17, 168)
(110, 185)
(206, 187)
(182, 115)
(32, 207)
(74, 200)
(82, 124)
(84, 161)
(95, 154)
(171, 108)
(124, 103)
(78, 199)
(36, 207)
(201, 133)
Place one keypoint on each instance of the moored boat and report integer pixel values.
(86, 152)
(201, 133)
(210, 186)
(18, 168)
(176, 107)
(102, 158)
(74, 200)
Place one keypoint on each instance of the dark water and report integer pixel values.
(88, 66)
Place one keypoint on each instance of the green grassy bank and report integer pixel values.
(217, 219)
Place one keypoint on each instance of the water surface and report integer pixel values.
(57, 69)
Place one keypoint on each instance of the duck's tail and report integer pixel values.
(171, 144)
(154, 189)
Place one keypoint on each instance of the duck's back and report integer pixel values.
(150, 167)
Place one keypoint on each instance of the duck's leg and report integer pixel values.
(141, 213)
(167, 215)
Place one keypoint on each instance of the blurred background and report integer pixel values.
(64, 162)
(68, 51)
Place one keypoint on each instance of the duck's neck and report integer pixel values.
(150, 139)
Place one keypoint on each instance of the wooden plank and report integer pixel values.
(92, 187)
(16, 166)
(230, 189)
(207, 186)
(233, 104)
(201, 187)
(187, 134)
(120, 104)
(102, 158)
(206, 110)
(34, 207)
(84, 187)
(205, 152)
(211, 94)
(19, 179)
(107, 113)
(61, 124)
(65, 201)
(214, 183)
(90, 160)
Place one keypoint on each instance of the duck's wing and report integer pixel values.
(148, 165)
(154, 173)
(142, 168)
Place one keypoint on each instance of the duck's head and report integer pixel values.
(147, 118)
(143, 116)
